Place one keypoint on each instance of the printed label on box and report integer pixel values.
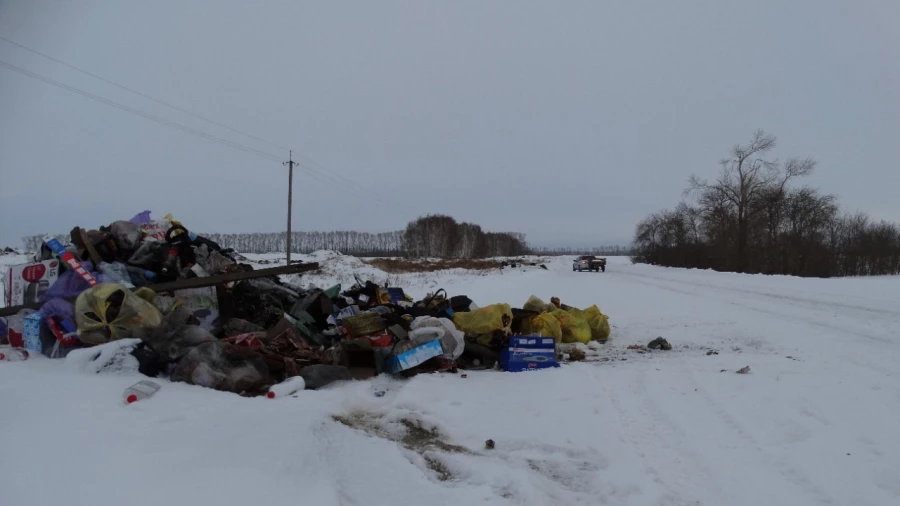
(25, 284)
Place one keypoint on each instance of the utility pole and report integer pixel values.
(290, 163)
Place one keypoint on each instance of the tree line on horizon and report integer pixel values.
(755, 218)
(432, 236)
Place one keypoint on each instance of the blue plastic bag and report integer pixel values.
(59, 308)
(141, 218)
(70, 285)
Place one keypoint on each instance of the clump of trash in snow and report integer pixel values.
(148, 295)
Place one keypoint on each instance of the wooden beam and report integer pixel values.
(89, 246)
(184, 284)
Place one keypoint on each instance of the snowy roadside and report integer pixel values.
(814, 422)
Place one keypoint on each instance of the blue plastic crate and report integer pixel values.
(528, 353)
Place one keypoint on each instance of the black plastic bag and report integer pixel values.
(223, 367)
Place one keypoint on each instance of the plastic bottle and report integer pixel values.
(287, 387)
(14, 355)
(141, 390)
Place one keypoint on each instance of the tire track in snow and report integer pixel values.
(810, 303)
(665, 284)
(867, 365)
(649, 437)
(795, 476)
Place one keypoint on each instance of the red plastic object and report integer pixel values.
(381, 340)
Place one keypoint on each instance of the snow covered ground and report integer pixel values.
(814, 422)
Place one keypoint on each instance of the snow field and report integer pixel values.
(813, 423)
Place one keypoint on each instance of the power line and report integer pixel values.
(331, 177)
(318, 175)
(148, 97)
(338, 178)
(138, 112)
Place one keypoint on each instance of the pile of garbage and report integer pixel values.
(200, 314)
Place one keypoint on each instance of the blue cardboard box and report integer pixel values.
(528, 353)
(413, 357)
(32, 332)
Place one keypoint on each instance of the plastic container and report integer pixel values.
(141, 390)
(13, 354)
(287, 387)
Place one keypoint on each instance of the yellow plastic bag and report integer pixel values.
(598, 322)
(544, 324)
(486, 320)
(108, 312)
(538, 306)
(575, 328)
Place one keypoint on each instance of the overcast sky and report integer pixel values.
(566, 120)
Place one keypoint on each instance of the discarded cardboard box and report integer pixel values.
(31, 333)
(361, 358)
(414, 357)
(528, 353)
(25, 284)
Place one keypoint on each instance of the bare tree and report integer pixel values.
(751, 209)
(744, 179)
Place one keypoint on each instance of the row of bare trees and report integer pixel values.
(434, 236)
(347, 242)
(606, 251)
(753, 219)
(440, 236)
(428, 236)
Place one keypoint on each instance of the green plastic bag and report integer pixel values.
(108, 312)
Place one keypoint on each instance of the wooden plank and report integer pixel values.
(89, 246)
(184, 284)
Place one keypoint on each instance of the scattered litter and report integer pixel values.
(380, 393)
(322, 375)
(14, 355)
(286, 388)
(659, 344)
(141, 390)
(577, 355)
(489, 444)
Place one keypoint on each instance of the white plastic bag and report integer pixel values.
(452, 340)
(156, 230)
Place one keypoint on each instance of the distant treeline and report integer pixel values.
(441, 236)
(434, 236)
(388, 244)
(753, 219)
(608, 251)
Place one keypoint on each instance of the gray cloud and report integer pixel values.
(568, 121)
